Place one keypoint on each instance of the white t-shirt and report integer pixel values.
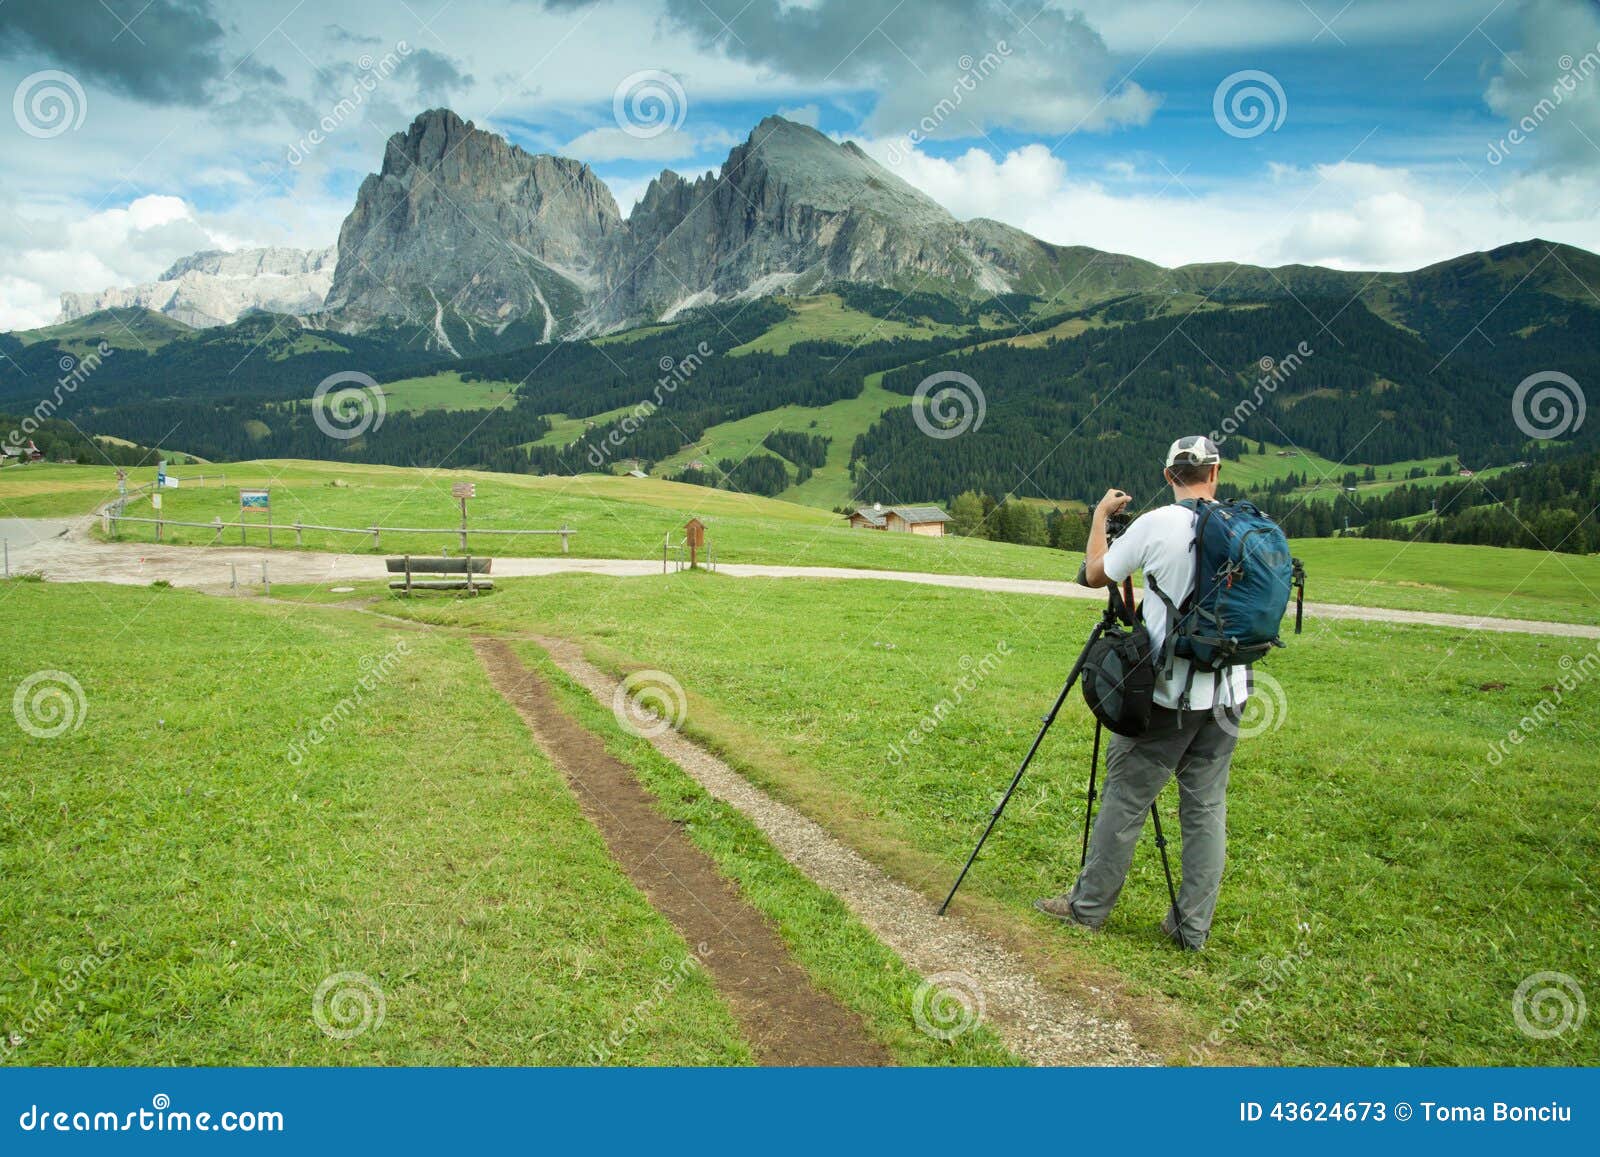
(1161, 543)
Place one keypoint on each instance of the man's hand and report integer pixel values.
(1113, 501)
(1094, 573)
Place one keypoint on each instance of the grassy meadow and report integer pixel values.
(216, 865)
(1409, 878)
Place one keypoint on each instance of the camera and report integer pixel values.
(1116, 524)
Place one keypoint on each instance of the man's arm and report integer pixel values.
(1094, 571)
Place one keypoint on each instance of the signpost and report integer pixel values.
(155, 504)
(255, 500)
(694, 533)
(161, 474)
(464, 491)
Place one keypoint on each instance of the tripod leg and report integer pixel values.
(1166, 868)
(994, 817)
(1088, 807)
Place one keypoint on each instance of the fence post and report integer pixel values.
(233, 577)
(374, 530)
(269, 528)
(217, 538)
(564, 532)
(297, 531)
(265, 581)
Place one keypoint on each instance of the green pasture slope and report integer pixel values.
(215, 867)
(1392, 881)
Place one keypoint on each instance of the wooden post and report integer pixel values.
(269, 528)
(408, 576)
(565, 531)
(695, 536)
(265, 581)
(374, 537)
(471, 590)
(463, 522)
(297, 532)
(217, 537)
(233, 580)
(241, 526)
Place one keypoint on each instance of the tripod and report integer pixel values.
(1108, 618)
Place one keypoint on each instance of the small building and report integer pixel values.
(924, 520)
(1463, 473)
(637, 474)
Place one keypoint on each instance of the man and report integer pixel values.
(1193, 727)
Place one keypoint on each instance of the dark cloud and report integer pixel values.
(438, 76)
(338, 34)
(168, 53)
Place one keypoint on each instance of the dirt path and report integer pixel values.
(786, 1020)
(1035, 1022)
(76, 557)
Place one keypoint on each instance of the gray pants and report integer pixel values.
(1196, 746)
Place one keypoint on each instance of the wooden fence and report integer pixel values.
(112, 518)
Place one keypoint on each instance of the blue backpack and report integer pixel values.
(1242, 580)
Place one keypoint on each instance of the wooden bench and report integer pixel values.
(467, 568)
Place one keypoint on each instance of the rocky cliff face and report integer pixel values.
(791, 209)
(215, 288)
(461, 231)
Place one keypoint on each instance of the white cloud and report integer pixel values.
(1346, 215)
(611, 143)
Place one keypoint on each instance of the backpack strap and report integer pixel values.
(1170, 643)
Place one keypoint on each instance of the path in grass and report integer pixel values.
(964, 964)
(785, 1019)
(77, 557)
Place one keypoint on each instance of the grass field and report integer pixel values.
(446, 391)
(825, 317)
(829, 485)
(215, 866)
(1390, 881)
(425, 845)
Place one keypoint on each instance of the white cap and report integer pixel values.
(1195, 450)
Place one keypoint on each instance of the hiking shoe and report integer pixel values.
(1061, 908)
(1169, 929)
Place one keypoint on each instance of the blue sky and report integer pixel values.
(187, 121)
